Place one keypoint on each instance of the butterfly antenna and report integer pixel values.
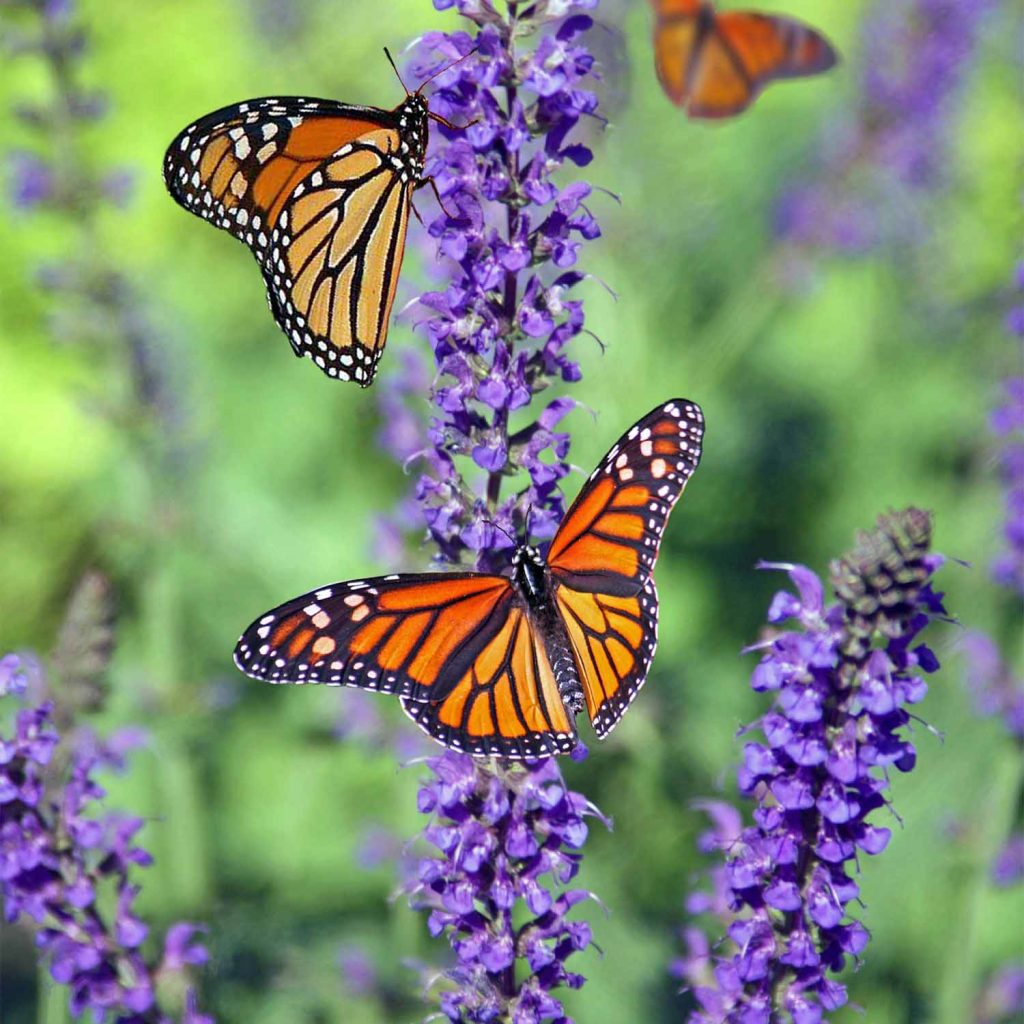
(447, 67)
(387, 53)
(497, 526)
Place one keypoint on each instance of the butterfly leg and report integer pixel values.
(440, 202)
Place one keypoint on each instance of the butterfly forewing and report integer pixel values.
(609, 539)
(603, 555)
(320, 192)
(413, 635)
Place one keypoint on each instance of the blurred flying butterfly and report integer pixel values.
(501, 665)
(715, 65)
(320, 192)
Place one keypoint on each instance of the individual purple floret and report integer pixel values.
(72, 873)
(508, 237)
(891, 151)
(843, 677)
(508, 841)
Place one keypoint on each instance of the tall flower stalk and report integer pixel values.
(844, 678)
(506, 839)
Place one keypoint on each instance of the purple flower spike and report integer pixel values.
(501, 319)
(61, 866)
(842, 682)
(507, 843)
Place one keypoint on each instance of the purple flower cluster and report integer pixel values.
(509, 238)
(843, 679)
(60, 866)
(889, 153)
(505, 839)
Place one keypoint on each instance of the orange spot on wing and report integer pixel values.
(620, 525)
(509, 723)
(399, 645)
(371, 634)
(285, 629)
(588, 507)
(297, 644)
(621, 656)
(629, 629)
(453, 706)
(605, 673)
(317, 138)
(480, 722)
(591, 553)
(635, 496)
(437, 592)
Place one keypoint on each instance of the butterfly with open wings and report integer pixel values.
(320, 192)
(715, 65)
(501, 665)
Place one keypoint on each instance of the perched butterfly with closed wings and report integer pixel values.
(715, 65)
(320, 192)
(501, 665)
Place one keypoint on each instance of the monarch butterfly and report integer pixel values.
(715, 65)
(498, 665)
(320, 192)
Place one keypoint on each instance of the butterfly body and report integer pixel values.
(320, 192)
(502, 664)
(714, 65)
(536, 587)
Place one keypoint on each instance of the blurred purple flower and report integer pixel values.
(997, 690)
(508, 842)
(890, 152)
(59, 861)
(842, 682)
(1002, 1000)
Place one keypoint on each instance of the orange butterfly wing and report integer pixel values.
(604, 553)
(458, 648)
(413, 635)
(715, 65)
(505, 704)
(313, 189)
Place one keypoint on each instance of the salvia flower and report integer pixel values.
(843, 677)
(509, 240)
(882, 161)
(62, 865)
(499, 320)
(507, 844)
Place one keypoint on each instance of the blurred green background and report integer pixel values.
(866, 388)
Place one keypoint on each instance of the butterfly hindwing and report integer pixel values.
(413, 635)
(613, 641)
(505, 704)
(320, 193)
(609, 539)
